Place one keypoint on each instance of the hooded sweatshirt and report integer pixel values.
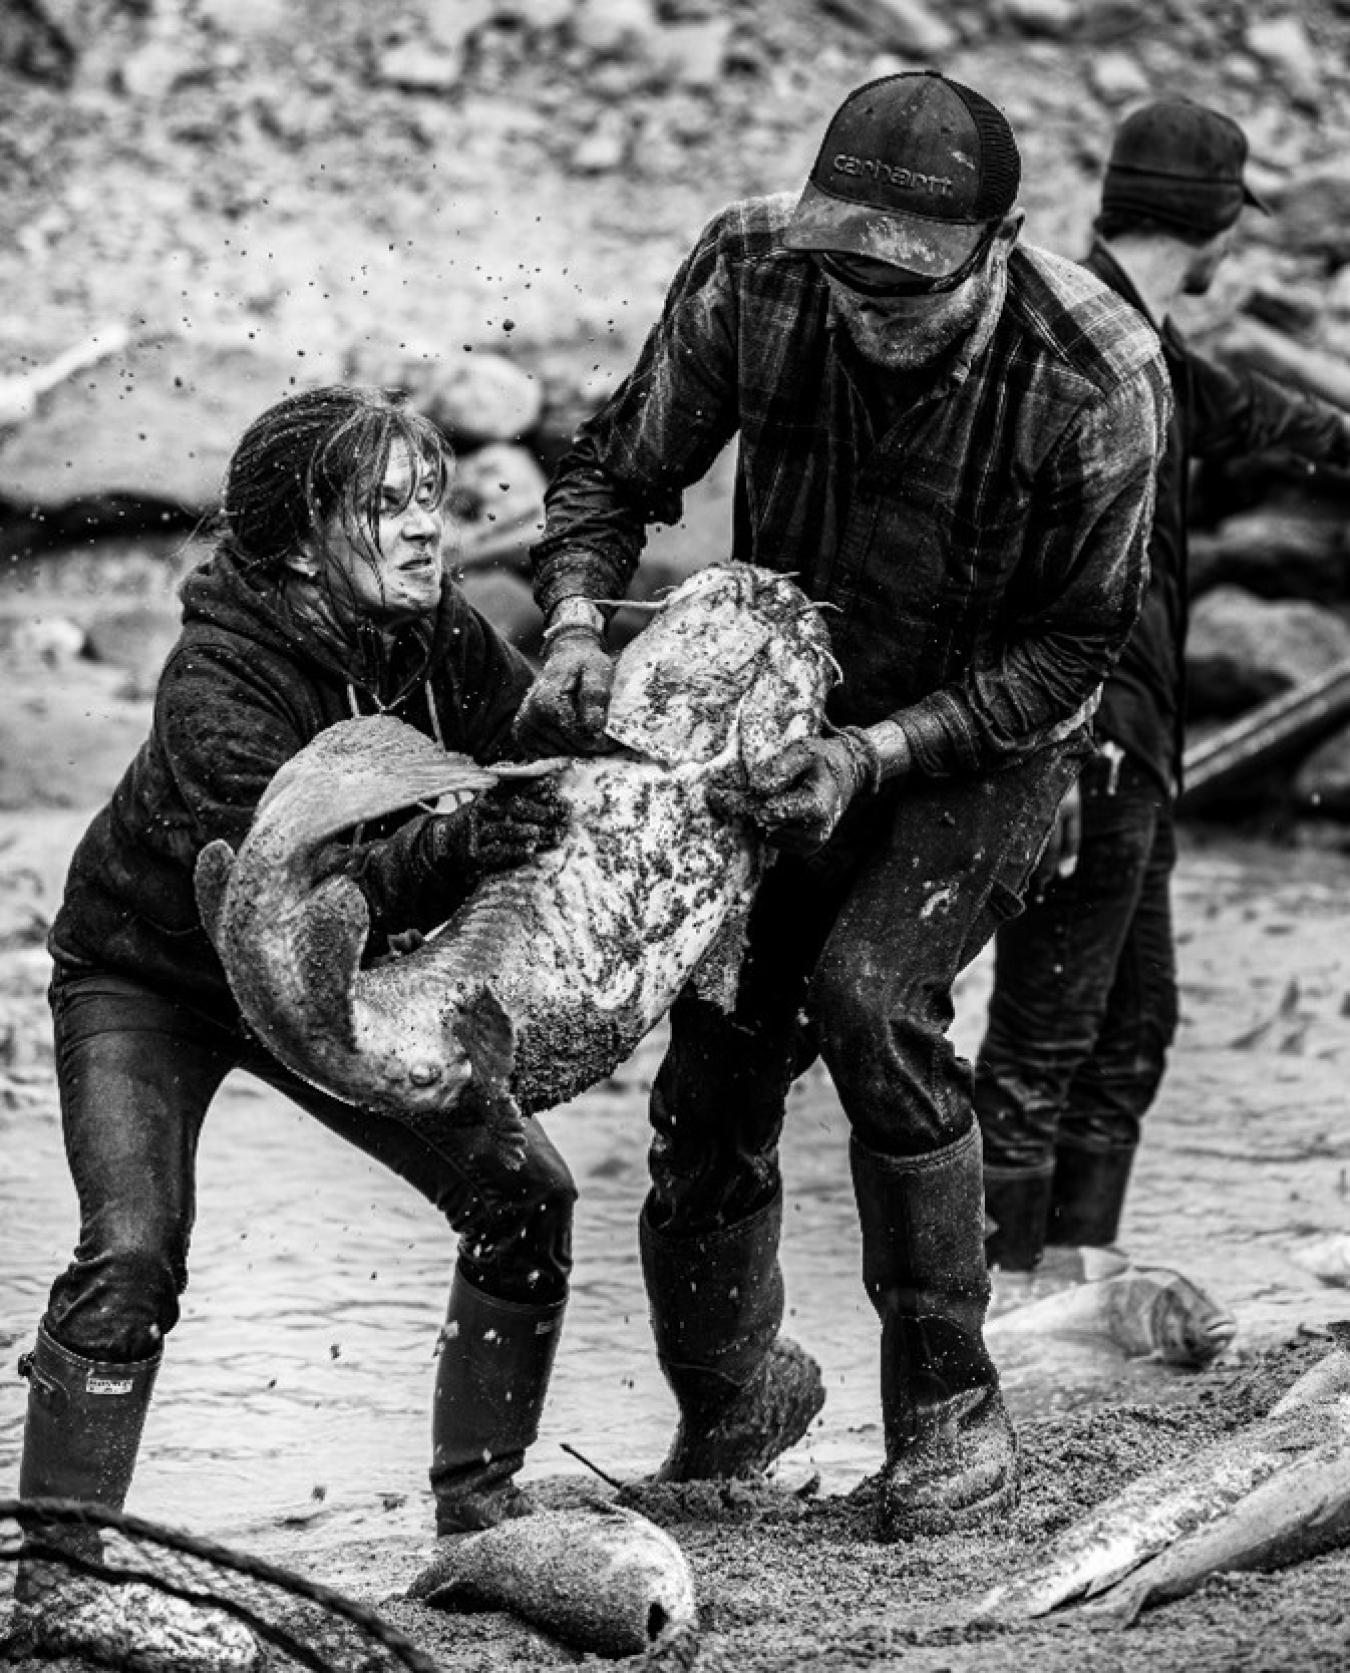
(250, 681)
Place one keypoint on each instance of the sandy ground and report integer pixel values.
(788, 1577)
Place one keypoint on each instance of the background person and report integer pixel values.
(952, 440)
(1084, 1002)
(326, 596)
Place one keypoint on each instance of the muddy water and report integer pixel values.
(296, 1387)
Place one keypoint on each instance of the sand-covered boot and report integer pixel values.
(745, 1394)
(951, 1453)
(496, 1358)
(82, 1434)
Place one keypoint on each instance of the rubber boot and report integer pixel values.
(744, 1393)
(1017, 1201)
(1088, 1194)
(951, 1453)
(81, 1438)
(496, 1359)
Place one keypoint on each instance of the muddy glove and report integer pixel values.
(798, 797)
(564, 710)
(503, 827)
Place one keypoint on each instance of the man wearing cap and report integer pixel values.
(1084, 1003)
(951, 442)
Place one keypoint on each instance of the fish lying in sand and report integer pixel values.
(598, 1577)
(1142, 1310)
(1277, 1490)
(550, 974)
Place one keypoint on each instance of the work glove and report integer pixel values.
(503, 827)
(1059, 858)
(564, 711)
(799, 796)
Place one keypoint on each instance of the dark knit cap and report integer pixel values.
(1179, 163)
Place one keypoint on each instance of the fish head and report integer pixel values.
(1188, 1326)
(735, 651)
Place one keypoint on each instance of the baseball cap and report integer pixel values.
(912, 169)
(1179, 163)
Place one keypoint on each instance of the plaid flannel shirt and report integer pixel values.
(985, 552)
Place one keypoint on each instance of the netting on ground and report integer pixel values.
(95, 1588)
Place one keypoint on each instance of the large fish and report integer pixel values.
(550, 974)
(599, 1577)
(1163, 1507)
(1142, 1310)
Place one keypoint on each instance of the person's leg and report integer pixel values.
(136, 1073)
(957, 856)
(1117, 1084)
(508, 1291)
(710, 1224)
(1055, 967)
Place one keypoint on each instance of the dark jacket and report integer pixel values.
(1218, 413)
(983, 548)
(245, 687)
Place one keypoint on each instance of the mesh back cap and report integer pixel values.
(913, 167)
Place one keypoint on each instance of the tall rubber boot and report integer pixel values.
(1088, 1195)
(744, 1393)
(951, 1453)
(1017, 1201)
(81, 1438)
(496, 1359)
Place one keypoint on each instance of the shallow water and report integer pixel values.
(297, 1385)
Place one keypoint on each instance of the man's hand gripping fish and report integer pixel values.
(550, 974)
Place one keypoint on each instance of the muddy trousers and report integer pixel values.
(1082, 1013)
(137, 1072)
(852, 954)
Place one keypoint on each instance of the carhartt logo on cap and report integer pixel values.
(939, 185)
(108, 1385)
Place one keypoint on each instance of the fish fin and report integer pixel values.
(364, 769)
(210, 880)
(486, 1035)
(328, 943)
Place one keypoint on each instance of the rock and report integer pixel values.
(1243, 649)
(418, 68)
(1322, 783)
(1118, 78)
(539, 16)
(155, 423)
(691, 55)
(910, 27)
(450, 23)
(615, 28)
(1275, 554)
(475, 396)
(605, 146)
(1313, 211)
(1283, 45)
(1056, 18)
(1107, 20)
(136, 639)
(246, 17)
(47, 640)
(499, 505)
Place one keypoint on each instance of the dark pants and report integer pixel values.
(1084, 1004)
(852, 953)
(137, 1072)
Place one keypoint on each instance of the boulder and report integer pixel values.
(1284, 47)
(1322, 783)
(1275, 553)
(499, 505)
(155, 423)
(1243, 649)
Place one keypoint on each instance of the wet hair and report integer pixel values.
(1122, 223)
(314, 456)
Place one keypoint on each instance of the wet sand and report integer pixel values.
(291, 1417)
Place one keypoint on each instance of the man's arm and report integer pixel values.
(1235, 411)
(1086, 562)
